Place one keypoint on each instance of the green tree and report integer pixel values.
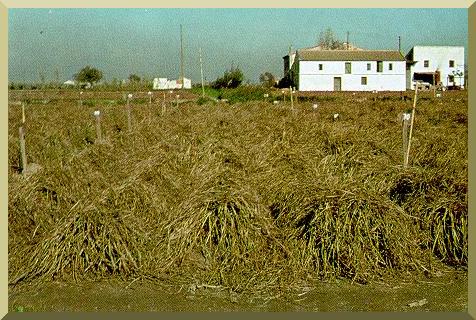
(267, 79)
(134, 78)
(328, 41)
(88, 75)
(231, 79)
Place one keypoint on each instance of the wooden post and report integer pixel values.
(163, 105)
(284, 96)
(23, 112)
(292, 103)
(129, 120)
(406, 118)
(150, 97)
(80, 98)
(176, 100)
(22, 150)
(434, 86)
(97, 115)
(405, 164)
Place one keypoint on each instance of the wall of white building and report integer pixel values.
(438, 58)
(313, 79)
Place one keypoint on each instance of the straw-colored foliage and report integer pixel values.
(244, 195)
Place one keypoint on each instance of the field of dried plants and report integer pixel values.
(246, 195)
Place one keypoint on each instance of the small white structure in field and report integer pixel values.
(336, 116)
(433, 65)
(97, 113)
(164, 84)
(346, 70)
(406, 116)
(69, 83)
(314, 106)
(275, 102)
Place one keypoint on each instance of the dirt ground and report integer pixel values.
(447, 291)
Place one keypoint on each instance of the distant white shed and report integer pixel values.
(164, 83)
(69, 83)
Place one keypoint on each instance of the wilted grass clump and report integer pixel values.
(221, 233)
(349, 234)
(448, 229)
(86, 242)
(439, 202)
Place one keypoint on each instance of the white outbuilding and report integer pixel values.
(346, 70)
(436, 65)
(69, 83)
(164, 83)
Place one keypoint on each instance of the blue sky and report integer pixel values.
(147, 41)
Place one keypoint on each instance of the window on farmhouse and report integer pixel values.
(390, 66)
(452, 63)
(451, 78)
(348, 67)
(363, 81)
(426, 63)
(320, 66)
(369, 67)
(379, 66)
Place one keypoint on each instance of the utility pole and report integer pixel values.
(290, 52)
(201, 71)
(399, 44)
(181, 56)
(347, 42)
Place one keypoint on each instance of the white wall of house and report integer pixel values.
(313, 79)
(438, 58)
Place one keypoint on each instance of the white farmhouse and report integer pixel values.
(347, 70)
(436, 65)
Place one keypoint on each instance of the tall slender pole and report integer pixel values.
(399, 44)
(347, 42)
(201, 72)
(181, 57)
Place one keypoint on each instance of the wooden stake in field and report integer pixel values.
(284, 95)
(163, 105)
(150, 97)
(22, 150)
(23, 112)
(80, 98)
(177, 100)
(97, 115)
(291, 93)
(407, 155)
(129, 120)
(406, 121)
